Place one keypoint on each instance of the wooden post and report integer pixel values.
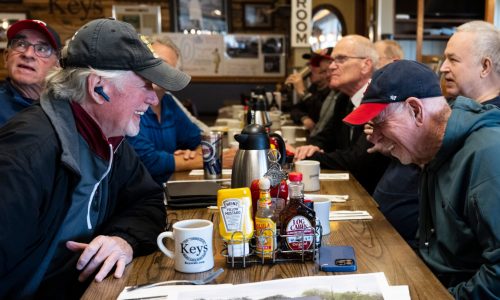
(420, 28)
(489, 13)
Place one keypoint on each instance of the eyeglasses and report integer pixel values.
(41, 50)
(340, 59)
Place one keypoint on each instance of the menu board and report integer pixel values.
(232, 54)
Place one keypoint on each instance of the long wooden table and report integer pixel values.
(378, 248)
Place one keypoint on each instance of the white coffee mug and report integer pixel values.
(230, 135)
(288, 133)
(322, 208)
(237, 110)
(310, 174)
(193, 250)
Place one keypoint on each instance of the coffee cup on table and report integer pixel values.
(193, 250)
(322, 208)
(310, 174)
(288, 133)
(231, 132)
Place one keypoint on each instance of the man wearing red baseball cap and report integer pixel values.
(32, 51)
(308, 111)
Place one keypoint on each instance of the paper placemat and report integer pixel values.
(199, 172)
(334, 176)
(340, 215)
(333, 198)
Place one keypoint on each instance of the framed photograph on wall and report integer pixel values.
(257, 15)
(7, 19)
(145, 18)
(200, 16)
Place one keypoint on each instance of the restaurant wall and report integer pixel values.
(66, 16)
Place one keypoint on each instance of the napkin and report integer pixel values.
(340, 215)
(334, 176)
(199, 172)
(333, 198)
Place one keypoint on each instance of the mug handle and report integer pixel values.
(159, 241)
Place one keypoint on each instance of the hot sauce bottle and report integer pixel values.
(265, 223)
(298, 222)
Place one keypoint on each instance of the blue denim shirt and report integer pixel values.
(11, 101)
(156, 142)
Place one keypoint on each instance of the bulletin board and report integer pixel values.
(232, 56)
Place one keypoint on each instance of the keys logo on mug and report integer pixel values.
(193, 251)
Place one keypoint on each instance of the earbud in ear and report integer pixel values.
(100, 91)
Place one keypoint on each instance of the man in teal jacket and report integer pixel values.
(457, 147)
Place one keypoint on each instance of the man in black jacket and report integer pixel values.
(340, 146)
(76, 201)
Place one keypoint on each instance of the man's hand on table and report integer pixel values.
(304, 152)
(187, 154)
(104, 252)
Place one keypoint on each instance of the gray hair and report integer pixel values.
(392, 49)
(363, 47)
(486, 42)
(71, 84)
(434, 106)
(165, 40)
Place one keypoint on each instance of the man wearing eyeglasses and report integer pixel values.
(338, 146)
(32, 51)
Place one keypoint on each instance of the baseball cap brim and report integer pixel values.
(365, 113)
(37, 25)
(165, 76)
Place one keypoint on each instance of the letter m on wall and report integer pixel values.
(301, 23)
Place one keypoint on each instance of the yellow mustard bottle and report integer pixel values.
(235, 220)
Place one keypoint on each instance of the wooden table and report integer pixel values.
(378, 248)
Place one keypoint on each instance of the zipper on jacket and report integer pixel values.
(89, 224)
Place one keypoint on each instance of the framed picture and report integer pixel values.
(145, 18)
(200, 16)
(257, 15)
(7, 19)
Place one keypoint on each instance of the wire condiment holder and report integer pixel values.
(277, 255)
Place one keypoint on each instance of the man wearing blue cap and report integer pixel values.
(457, 148)
(32, 51)
(76, 202)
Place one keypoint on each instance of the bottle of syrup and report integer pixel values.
(298, 222)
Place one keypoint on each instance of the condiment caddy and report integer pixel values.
(277, 255)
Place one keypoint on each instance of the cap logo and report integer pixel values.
(145, 40)
(40, 22)
(393, 97)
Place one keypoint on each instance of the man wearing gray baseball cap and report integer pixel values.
(77, 204)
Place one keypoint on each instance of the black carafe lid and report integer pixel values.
(253, 137)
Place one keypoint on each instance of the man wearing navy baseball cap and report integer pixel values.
(32, 51)
(458, 150)
(77, 203)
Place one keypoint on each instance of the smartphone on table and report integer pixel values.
(337, 259)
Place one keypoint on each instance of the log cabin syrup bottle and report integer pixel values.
(296, 219)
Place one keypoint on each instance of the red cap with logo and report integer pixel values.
(40, 26)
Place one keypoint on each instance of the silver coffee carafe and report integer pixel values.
(252, 158)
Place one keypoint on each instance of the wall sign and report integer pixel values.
(145, 18)
(241, 55)
(301, 23)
